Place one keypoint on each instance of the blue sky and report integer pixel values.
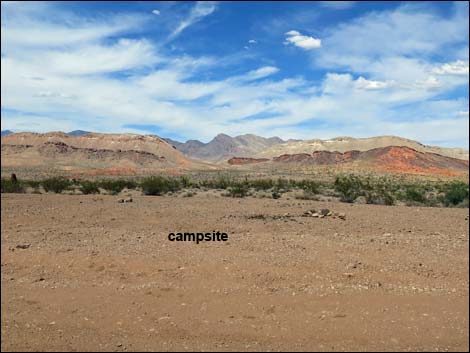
(191, 70)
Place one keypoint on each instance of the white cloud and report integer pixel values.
(458, 67)
(105, 81)
(301, 41)
(362, 83)
(261, 72)
(292, 33)
(156, 12)
(91, 59)
(393, 45)
(252, 41)
(199, 11)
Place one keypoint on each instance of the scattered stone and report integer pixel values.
(127, 199)
(23, 246)
(342, 216)
(324, 211)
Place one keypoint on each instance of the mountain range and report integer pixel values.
(82, 152)
(223, 147)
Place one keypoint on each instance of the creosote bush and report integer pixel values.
(238, 190)
(56, 184)
(7, 186)
(456, 194)
(159, 185)
(89, 187)
(115, 186)
(349, 188)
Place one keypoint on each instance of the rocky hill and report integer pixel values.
(92, 153)
(343, 144)
(223, 147)
(397, 159)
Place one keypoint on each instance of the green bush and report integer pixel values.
(414, 193)
(282, 184)
(56, 184)
(185, 182)
(158, 185)
(238, 190)
(221, 182)
(7, 186)
(350, 187)
(89, 187)
(379, 191)
(115, 186)
(309, 186)
(456, 193)
(261, 184)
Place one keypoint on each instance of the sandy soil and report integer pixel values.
(102, 275)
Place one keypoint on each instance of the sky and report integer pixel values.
(192, 70)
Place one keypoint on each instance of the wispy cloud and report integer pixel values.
(108, 75)
(199, 11)
(458, 67)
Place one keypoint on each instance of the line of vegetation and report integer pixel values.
(347, 188)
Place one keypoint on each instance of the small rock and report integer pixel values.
(128, 199)
(342, 216)
(324, 211)
(121, 201)
(23, 246)
(315, 215)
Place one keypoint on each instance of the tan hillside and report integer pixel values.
(344, 144)
(92, 153)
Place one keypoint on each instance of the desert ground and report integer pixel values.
(84, 273)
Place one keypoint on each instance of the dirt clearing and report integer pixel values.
(90, 273)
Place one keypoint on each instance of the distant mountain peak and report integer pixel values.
(78, 133)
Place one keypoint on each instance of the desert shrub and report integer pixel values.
(185, 182)
(189, 194)
(309, 186)
(276, 194)
(89, 187)
(379, 196)
(379, 191)
(56, 184)
(115, 186)
(239, 189)
(282, 185)
(7, 186)
(159, 185)
(456, 193)
(350, 187)
(414, 193)
(262, 184)
(221, 182)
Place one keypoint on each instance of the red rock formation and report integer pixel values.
(245, 160)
